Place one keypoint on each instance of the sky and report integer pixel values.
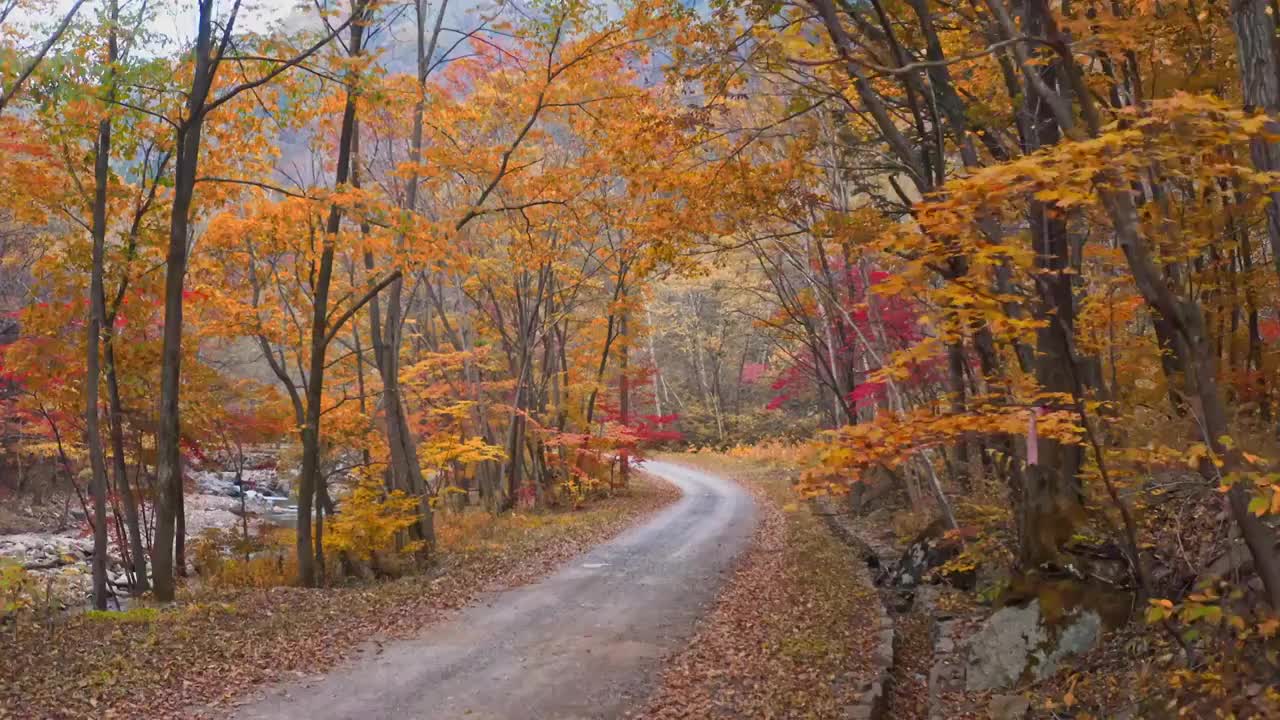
(177, 18)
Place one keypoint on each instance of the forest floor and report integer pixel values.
(206, 650)
(792, 635)
(736, 601)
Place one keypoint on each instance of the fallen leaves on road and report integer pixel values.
(788, 637)
(207, 651)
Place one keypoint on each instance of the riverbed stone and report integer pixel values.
(1016, 644)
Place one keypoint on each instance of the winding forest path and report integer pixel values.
(582, 643)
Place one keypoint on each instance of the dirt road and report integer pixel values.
(582, 643)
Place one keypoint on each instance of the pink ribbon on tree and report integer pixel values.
(1033, 440)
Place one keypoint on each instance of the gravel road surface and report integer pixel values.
(585, 642)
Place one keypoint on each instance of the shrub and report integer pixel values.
(16, 585)
(371, 521)
(226, 560)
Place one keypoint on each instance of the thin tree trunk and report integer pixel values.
(319, 544)
(624, 390)
(309, 480)
(653, 360)
(120, 471)
(180, 532)
(405, 470)
(168, 456)
(93, 432)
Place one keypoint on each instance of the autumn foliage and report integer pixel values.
(1010, 255)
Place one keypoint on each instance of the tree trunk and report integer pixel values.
(624, 391)
(406, 473)
(310, 470)
(309, 478)
(120, 471)
(515, 433)
(657, 370)
(1200, 382)
(92, 431)
(168, 457)
(180, 532)
(1255, 30)
(1052, 497)
(319, 545)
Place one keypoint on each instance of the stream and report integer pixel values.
(58, 562)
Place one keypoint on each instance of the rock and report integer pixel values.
(930, 549)
(223, 482)
(1008, 707)
(217, 483)
(42, 551)
(1100, 561)
(1016, 644)
(267, 481)
(1236, 560)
